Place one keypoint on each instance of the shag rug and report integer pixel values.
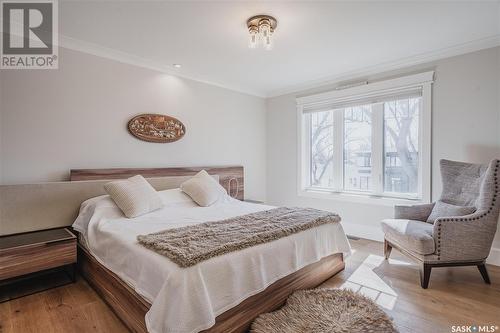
(325, 311)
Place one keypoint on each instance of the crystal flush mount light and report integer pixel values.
(260, 30)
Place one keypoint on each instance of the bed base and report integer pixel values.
(131, 308)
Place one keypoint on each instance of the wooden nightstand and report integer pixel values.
(254, 201)
(33, 252)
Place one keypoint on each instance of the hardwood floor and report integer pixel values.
(456, 296)
(70, 308)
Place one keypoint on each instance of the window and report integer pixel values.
(357, 146)
(401, 145)
(321, 149)
(371, 140)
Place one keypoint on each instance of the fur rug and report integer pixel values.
(187, 246)
(325, 311)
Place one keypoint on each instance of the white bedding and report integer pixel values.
(189, 299)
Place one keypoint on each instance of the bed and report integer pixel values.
(149, 292)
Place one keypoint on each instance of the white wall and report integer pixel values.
(1, 116)
(496, 241)
(465, 127)
(76, 117)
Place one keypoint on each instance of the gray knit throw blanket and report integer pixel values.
(187, 246)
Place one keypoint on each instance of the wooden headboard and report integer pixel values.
(230, 177)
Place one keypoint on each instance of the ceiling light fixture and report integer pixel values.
(177, 65)
(261, 28)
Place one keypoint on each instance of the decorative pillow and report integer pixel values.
(134, 196)
(175, 197)
(443, 209)
(203, 189)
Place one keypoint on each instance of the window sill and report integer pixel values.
(357, 198)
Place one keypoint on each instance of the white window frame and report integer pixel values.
(421, 80)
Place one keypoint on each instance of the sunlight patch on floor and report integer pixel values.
(365, 281)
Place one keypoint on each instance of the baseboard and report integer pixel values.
(364, 231)
(374, 232)
(494, 257)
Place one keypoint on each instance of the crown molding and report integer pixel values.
(472, 46)
(130, 59)
(127, 58)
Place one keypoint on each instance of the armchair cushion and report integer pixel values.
(413, 236)
(414, 212)
(443, 209)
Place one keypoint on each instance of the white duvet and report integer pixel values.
(188, 299)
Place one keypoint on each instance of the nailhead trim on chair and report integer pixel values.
(490, 209)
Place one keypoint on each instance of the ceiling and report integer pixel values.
(315, 42)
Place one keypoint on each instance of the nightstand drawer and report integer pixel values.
(26, 259)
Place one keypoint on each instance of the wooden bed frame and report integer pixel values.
(131, 308)
(230, 177)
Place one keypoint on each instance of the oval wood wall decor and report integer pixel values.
(156, 128)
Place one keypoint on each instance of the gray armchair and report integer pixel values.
(450, 240)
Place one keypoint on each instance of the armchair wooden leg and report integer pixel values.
(425, 274)
(484, 273)
(387, 249)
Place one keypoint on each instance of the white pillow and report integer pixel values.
(203, 189)
(175, 197)
(87, 209)
(134, 196)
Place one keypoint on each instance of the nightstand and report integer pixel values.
(254, 201)
(26, 254)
